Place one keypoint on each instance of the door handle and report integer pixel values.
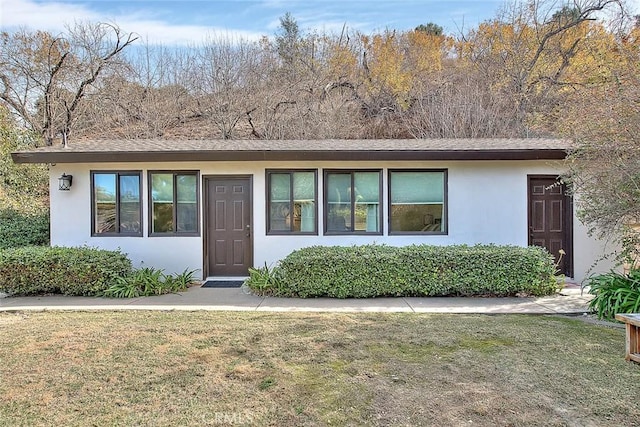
(248, 229)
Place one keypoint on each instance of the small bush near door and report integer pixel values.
(417, 270)
(615, 293)
(37, 270)
(149, 281)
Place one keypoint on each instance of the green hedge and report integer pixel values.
(35, 270)
(417, 270)
(23, 229)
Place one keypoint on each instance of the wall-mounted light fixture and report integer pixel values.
(64, 182)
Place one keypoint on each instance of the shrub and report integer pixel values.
(23, 229)
(148, 281)
(265, 280)
(35, 270)
(417, 270)
(181, 281)
(615, 293)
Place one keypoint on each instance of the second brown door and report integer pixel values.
(550, 215)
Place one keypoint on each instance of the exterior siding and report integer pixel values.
(487, 203)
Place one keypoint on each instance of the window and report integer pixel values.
(352, 202)
(417, 201)
(173, 202)
(292, 202)
(116, 206)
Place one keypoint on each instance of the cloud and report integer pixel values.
(158, 32)
(53, 16)
(43, 16)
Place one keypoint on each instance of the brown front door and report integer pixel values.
(550, 218)
(228, 243)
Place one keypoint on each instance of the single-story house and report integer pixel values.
(222, 206)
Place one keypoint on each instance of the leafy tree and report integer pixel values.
(288, 38)
(23, 187)
(430, 29)
(387, 78)
(24, 213)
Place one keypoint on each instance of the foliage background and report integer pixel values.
(24, 190)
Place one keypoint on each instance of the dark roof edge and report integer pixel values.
(285, 155)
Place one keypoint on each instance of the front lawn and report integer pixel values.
(213, 368)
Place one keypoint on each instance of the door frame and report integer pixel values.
(206, 180)
(567, 220)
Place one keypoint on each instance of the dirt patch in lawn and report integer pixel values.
(204, 368)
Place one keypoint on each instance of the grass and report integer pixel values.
(214, 368)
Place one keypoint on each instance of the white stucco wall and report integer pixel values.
(487, 203)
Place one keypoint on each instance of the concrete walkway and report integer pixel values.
(570, 301)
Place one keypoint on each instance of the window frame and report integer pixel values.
(175, 231)
(445, 202)
(291, 232)
(325, 213)
(118, 174)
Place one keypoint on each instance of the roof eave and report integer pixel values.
(285, 155)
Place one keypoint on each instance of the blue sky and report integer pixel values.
(177, 22)
(186, 22)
